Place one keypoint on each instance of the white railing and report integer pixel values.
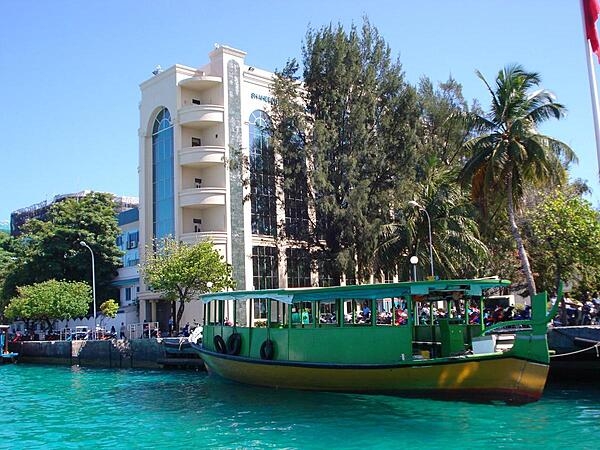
(144, 330)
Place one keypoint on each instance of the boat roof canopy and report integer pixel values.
(362, 291)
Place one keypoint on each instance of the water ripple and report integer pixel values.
(56, 407)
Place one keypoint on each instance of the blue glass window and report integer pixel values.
(162, 176)
(262, 176)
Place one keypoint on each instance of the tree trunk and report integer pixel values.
(173, 316)
(179, 313)
(519, 240)
(563, 305)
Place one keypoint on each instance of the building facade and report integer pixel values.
(40, 210)
(195, 124)
(128, 279)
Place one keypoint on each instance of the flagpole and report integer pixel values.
(593, 85)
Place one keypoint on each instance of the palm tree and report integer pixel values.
(509, 154)
(457, 250)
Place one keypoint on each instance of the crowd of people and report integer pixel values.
(579, 312)
(429, 312)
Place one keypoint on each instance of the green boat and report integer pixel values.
(377, 339)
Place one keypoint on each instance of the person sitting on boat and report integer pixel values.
(366, 311)
(473, 315)
(305, 316)
(527, 312)
(498, 314)
(425, 313)
(401, 317)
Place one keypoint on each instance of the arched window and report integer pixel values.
(262, 176)
(163, 222)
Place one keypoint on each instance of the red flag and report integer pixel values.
(591, 11)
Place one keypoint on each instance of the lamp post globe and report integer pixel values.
(414, 260)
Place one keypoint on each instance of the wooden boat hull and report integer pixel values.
(475, 378)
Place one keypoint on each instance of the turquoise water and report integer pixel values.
(57, 407)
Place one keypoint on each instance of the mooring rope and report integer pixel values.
(596, 346)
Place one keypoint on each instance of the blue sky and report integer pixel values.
(70, 70)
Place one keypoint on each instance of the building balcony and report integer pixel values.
(201, 82)
(217, 237)
(200, 156)
(127, 273)
(202, 197)
(201, 116)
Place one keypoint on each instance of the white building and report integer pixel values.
(191, 121)
(128, 279)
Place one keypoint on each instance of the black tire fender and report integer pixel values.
(267, 350)
(220, 345)
(234, 344)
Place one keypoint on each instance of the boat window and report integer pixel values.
(357, 312)
(302, 313)
(278, 314)
(296, 308)
(425, 310)
(306, 315)
(384, 309)
(228, 307)
(260, 312)
(241, 313)
(456, 307)
(212, 313)
(391, 310)
(429, 310)
(400, 311)
(328, 313)
(474, 312)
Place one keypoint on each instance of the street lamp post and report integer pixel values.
(414, 260)
(420, 208)
(84, 244)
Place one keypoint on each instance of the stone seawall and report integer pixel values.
(126, 354)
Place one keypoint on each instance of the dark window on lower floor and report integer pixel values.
(298, 267)
(265, 274)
